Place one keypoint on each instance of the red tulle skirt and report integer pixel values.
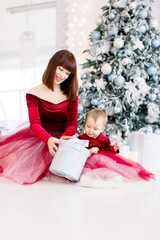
(25, 159)
(105, 165)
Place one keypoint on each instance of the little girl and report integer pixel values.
(103, 163)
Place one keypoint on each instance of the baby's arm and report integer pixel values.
(116, 146)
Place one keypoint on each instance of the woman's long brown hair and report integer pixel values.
(67, 60)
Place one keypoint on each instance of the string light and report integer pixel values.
(72, 25)
(77, 39)
(85, 6)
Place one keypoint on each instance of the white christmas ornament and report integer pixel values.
(114, 50)
(128, 52)
(125, 61)
(153, 112)
(106, 68)
(133, 96)
(95, 51)
(119, 4)
(118, 43)
(118, 107)
(142, 85)
(100, 84)
(119, 81)
(138, 44)
(132, 5)
(156, 90)
(139, 81)
(126, 29)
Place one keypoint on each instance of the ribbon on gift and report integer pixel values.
(66, 144)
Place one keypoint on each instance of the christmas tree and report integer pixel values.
(121, 74)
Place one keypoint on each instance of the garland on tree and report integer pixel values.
(121, 75)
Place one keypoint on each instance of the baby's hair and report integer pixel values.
(96, 114)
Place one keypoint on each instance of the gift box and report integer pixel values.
(131, 155)
(70, 158)
(147, 147)
(124, 148)
(133, 140)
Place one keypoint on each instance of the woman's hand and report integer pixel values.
(94, 150)
(52, 141)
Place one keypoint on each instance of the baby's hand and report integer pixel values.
(116, 146)
(94, 150)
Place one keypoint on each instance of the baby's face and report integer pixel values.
(94, 128)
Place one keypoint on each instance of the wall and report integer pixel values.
(155, 11)
(42, 22)
(75, 20)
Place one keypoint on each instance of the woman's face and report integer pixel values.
(61, 75)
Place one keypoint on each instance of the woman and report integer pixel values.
(25, 156)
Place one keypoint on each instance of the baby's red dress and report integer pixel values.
(106, 163)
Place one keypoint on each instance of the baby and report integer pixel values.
(95, 125)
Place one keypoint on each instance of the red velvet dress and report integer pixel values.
(24, 155)
(106, 164)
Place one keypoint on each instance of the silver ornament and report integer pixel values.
(118, 43)
(106, 68)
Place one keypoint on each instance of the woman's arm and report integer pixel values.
(34, 118)
(36, 125)
(71, 125)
